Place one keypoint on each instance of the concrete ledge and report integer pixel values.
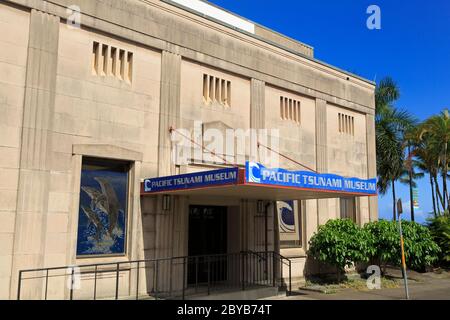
(251, 294)
(106, 151)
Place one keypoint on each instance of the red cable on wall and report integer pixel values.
(171, 129)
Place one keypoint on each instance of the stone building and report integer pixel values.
(92, 93)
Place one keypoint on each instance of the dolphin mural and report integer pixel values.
(101, 227)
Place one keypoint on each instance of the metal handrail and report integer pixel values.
(289, 265)
(250, 272)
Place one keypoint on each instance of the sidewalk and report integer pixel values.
(427, 286)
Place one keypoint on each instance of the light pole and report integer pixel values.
(405, 276)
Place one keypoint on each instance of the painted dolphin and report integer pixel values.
(98, 200)
(111, 204)
(93, 218)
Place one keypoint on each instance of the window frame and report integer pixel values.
(127, 223)
(299, 243)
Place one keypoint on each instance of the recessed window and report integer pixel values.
(223, 93)
(205, 88)
(122, 64)
(104, 59)
(130, 66)
(95, 57)
(290, 109)
(228, 95)
(211, 88)
(216, 90)
(346, 124)
(112, 61)
(218, 93)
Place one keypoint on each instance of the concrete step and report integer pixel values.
(250, 294)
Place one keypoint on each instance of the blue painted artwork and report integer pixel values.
(286, 216)
(102, 216)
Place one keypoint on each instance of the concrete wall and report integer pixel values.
(13, 60)
(212, 114)
(297, 140)
(88, 110)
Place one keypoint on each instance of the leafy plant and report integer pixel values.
(387, 242)
(440, 231)
(341, 243)
(420, 249)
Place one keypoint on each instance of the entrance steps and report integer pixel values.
(250, 294)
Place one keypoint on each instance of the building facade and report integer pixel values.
(89, 101)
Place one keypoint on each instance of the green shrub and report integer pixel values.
(440, 231)
(341, 243)
(420, 249)
(387, 242)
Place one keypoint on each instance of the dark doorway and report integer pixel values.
(207, 244)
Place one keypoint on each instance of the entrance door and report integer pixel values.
(207, 237)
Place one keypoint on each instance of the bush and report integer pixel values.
(440, 231)
(387, 242)
(420, 249)
(341, 243)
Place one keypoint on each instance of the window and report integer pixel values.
(216, 90)
(95, 57)
(104, 60)
(289, 221)
(290, 109)
(348, 208)
(102, 217)
(346, 124)
(111, 61)
(228, 95)
(122, 64)
(130, 66)
(205, 87)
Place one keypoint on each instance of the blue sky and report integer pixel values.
(413, 47)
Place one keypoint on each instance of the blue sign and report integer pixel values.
(256, 173)
(192, 180)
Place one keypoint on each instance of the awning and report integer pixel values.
(258, 182)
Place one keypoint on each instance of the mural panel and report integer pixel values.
(288, 220)
(102, 217)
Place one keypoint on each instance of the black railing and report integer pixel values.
(168, 278)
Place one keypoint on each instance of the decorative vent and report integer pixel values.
(216, 90)
(108, 61)
(346, 124)
(290, 109)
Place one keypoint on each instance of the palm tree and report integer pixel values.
(391, 125)
(386, 93)
(409, 176)
(425, 160)
(437, 132)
